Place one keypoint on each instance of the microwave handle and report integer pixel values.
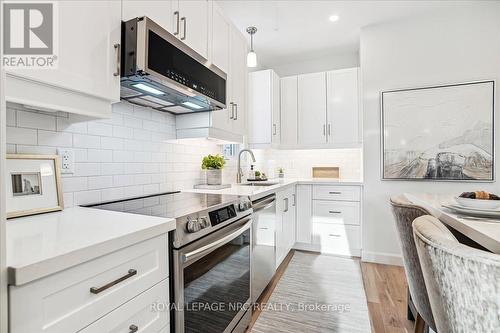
(186, 258)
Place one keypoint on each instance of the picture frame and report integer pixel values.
(33, 185)
(439, 133)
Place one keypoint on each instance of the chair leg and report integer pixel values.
(419, 324)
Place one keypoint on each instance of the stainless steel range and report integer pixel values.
(210, 255)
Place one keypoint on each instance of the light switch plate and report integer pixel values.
(67, 160)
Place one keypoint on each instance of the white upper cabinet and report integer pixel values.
(312, 109)
(343, 107)
(221, 29)
(161, 12)
(239, 76)
(263, 108)
(288, 93)
(192, 24)
(85, 79)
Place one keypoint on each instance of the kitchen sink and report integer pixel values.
(259, 184)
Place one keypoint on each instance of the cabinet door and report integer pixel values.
(280, 234)
(220, 39)
(260, 130)
(276, 112)
(239, 79)
(87, 58)
(160, 12)
(193, 23)
(343, 106)
(289, 111)
(304, 214)
(312, 108)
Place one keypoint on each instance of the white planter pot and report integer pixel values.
(214, 176)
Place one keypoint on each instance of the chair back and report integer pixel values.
(463, 283)
(404, 214)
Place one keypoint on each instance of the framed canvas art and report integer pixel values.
(33, 185)
(443, 133)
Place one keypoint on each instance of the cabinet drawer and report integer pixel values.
(337, 239)
(64, 302)
(148, 312)
(329, 192)
(338, 212)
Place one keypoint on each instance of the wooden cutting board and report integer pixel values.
(326, 172)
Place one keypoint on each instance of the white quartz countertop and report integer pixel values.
(256, 192)
(44, 244)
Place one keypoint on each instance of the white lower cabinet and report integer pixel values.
(71, 300)
(329, 219)
(146, 313)
(285, 223)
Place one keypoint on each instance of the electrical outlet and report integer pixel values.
(67, 160)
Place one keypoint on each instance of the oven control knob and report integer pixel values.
(244, 205)
(193, 225)
(205, 222)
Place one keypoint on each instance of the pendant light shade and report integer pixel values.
(251, 56)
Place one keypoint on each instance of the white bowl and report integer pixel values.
(478, 203)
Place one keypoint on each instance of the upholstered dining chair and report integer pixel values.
(404, 213)
(463, 283)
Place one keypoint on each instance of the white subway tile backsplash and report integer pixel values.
(115, 158)
(36, 120)
(55, 139)
(98, 128)
(23, 136)
(86, 141)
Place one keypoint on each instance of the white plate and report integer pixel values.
(474, 212)
(478, 203)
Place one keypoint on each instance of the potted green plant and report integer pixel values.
(281, 173)
(213, 164)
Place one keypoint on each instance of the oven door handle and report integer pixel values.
(186, 258)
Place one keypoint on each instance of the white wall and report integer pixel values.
(316, 63)
(299, 163)
(125, 156)
(456, 45)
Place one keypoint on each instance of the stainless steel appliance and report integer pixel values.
(160, 71)
(210, 257)
(264, 245)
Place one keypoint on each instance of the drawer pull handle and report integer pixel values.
(334, 235)
(335, 192)
(131, 272)
(133, 328)
(263, 228)
(334, 212)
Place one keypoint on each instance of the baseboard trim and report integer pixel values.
(381, 258)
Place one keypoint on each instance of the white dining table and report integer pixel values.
(484, 231)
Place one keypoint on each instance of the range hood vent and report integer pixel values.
(161, 72)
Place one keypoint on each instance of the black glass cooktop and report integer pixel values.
(171, 205)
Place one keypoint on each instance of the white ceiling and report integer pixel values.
(294, 31)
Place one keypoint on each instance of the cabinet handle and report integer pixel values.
(130, 273)
(133, 328)
(334, 212)
(335, 192)
(118, 53)
(177, 24)
(231, 112)
(294, 200)
(274, 129)
(324, 130)
(183, 19)
(263, 228)
(334, 235)
(286, 205)
(329, 129)
(236, 111)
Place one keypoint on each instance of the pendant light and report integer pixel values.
(251, 56)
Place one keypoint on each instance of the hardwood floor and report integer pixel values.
(385, 288)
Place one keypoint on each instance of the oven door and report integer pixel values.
(212, 281)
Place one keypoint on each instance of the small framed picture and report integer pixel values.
(33, 184)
